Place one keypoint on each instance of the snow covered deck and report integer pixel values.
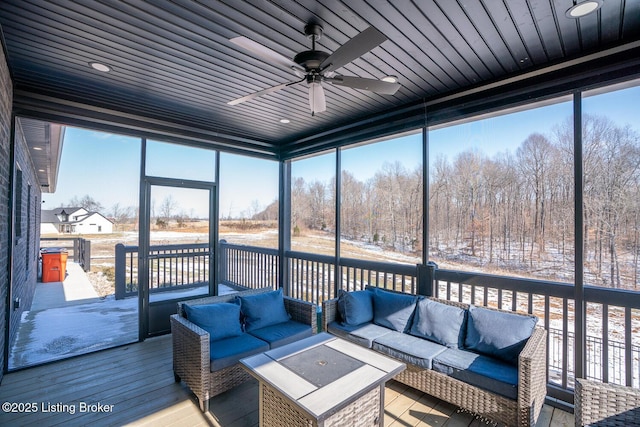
(68, 318)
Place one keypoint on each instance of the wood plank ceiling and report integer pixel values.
(174, 68)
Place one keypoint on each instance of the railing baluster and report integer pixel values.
(605, 342)
(565, 341)
(628, 344)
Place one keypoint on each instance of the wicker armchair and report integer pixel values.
(191, 357)
(600, 404)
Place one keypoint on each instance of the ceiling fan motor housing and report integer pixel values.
(311, 59)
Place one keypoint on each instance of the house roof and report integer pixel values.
(48, 216)
(51, 215)
(174, 68)
(67, 210)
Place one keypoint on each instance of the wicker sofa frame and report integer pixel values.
(532, 380)
(602, 404)
(191, 356)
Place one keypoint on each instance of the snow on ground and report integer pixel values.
(54, 333)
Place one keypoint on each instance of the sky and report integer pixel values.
(106, 166)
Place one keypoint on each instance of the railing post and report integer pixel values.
(426, 279)
(223, 261)
(121, 272)
(76, 249)
(86, 255)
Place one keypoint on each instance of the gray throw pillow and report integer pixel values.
(497, 333)
(263, 310)
(438, 322)
(393, 310)
(356, 307)
(221, 320)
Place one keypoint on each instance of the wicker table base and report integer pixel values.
(321, 381)
(278, 411)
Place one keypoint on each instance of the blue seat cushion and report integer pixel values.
(356, 307)
(228, 351)
(263, 310)
(221, 320)
(438, 322)
(393, 310)
(409, 349)
(498, 333)
(481, 371)
(363, 335)
(282, 333)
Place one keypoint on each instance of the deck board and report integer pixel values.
(138, 380)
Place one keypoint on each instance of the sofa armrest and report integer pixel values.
(532, 376)
(605, 404)
(302, 311)
(329, 312)
(191, 354)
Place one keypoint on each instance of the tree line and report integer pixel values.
(512, 211)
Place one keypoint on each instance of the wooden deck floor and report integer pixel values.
(135, 385)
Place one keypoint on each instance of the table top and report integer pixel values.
(322, 373)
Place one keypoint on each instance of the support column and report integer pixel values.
(284, 225)
(580, 305)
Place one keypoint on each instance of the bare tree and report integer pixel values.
(534, 156)
(121, 215)
(87, 202)
(168, 207)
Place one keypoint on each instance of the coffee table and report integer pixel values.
(322, 380)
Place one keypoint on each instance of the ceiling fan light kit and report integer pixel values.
(315, 66)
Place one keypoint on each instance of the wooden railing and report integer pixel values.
(171, 267)
(612, 315)
(312, 277)
(247, 268)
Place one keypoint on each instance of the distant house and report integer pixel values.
(74, 221)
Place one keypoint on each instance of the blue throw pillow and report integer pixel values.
(438, 322)
(355, 308)
(393, 310)
(263, 310)
(497, 333)
(221, 320)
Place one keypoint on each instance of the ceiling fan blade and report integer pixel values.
(264, 52)
(257, 94)
(354, 48)
(373, 85)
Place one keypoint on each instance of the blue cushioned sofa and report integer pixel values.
(210, 335)
(489, 362)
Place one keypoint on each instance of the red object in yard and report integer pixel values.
(54, 264)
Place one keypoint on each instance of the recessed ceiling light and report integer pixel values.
(390, 79)
(578, 10)
(40, 170)
(37, 148)
(285, 121)
(100, 67)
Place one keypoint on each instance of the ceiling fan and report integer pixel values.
(315, 66)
